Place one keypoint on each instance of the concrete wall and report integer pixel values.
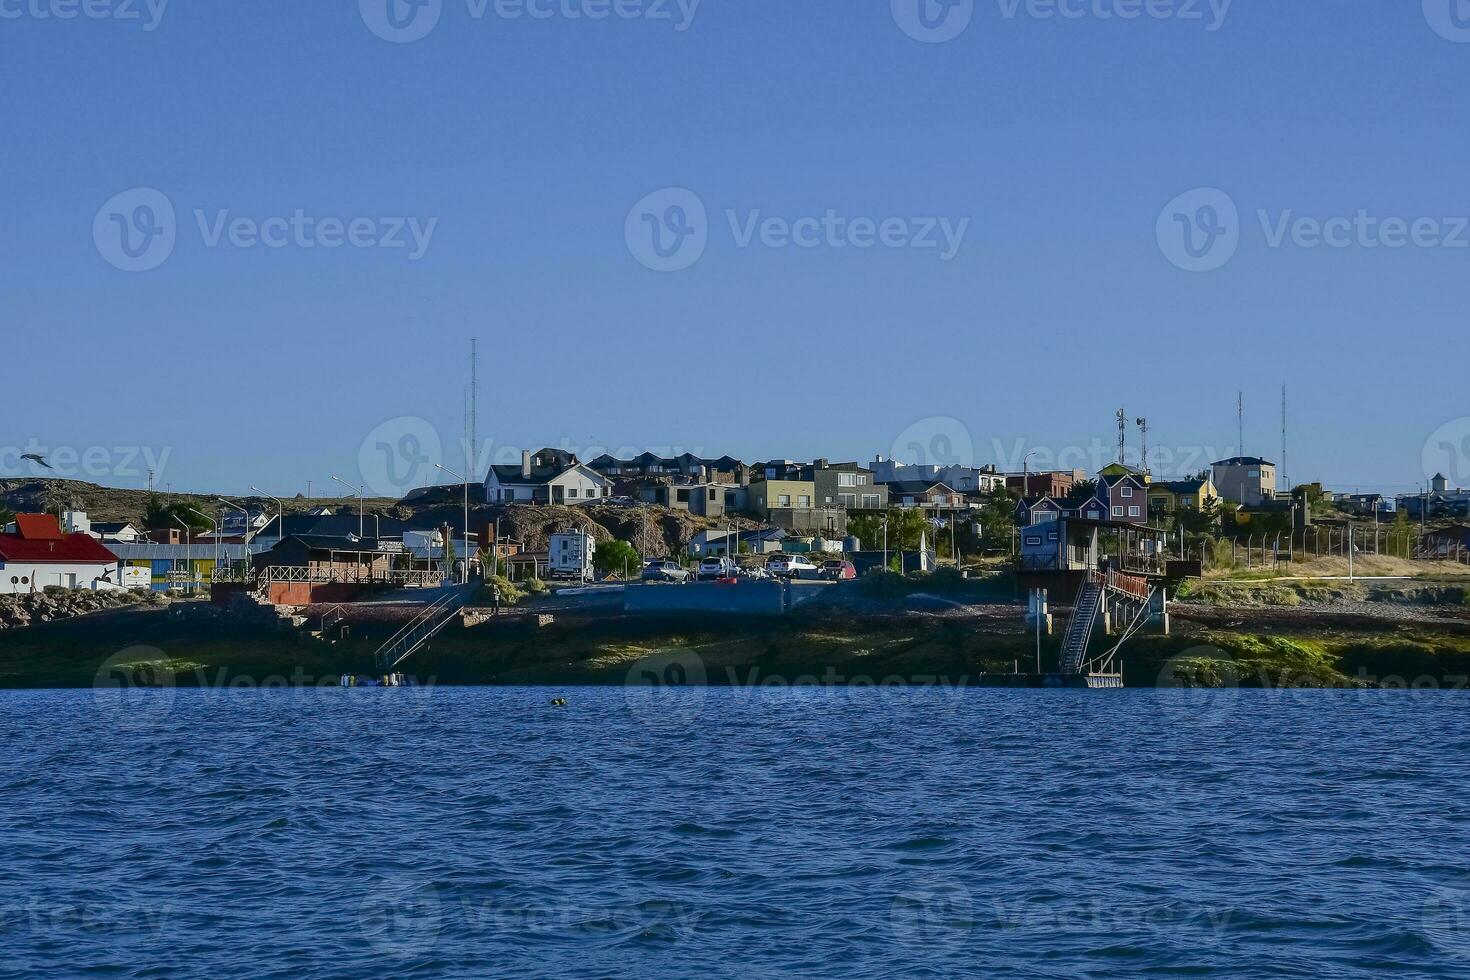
(761, 598)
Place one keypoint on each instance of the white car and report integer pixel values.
(716, 567)
(791, 566)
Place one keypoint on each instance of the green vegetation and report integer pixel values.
(616, 559)
(159, 516)
(906, 526)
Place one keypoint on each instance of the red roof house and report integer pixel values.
(39, 554)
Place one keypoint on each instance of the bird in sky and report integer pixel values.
(38, 460)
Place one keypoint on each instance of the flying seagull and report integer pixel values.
(38, 460)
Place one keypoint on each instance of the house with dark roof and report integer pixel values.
(36, 554)
(551, 476)
(1176, 495)
(1122, 497)
(1247, 480)
(723, 470)
(923, 493)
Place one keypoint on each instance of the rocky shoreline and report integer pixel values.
(56, 605)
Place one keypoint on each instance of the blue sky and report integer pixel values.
(520, 146)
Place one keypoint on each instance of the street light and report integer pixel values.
(281, 508)
(359, 501)
(465, 575)
(244, 510)
(188, 556)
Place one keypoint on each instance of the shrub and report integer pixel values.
(510, 594)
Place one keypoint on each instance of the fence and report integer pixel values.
(1272, 551)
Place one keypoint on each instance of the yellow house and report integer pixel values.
(1166, 498)
(765, 496)
(1123, 469)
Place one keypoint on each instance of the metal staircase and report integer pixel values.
(423, 628)
(1079, 630)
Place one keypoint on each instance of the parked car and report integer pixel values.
(663, 570)
(716, 567)
(791, 566)
(753, 572)
(838, 571)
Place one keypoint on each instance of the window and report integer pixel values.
(870, 501)
(804, 501)
(847, 479)
(1052, 536)
(784, 500)
(1033, 541)
(711, 494)
(1125, 491)
(682, 496)
(572, 492)
(1117, 511)
(1132, 511)
(848, 500)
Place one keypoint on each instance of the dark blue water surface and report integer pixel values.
(734, 833)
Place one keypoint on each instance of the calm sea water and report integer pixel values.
(734, 833)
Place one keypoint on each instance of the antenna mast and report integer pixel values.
(1122, 418)
(1285, 482)
(1143, 427)
(1240, 424)
(473, 454)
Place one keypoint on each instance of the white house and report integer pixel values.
(548, 477)
(38, 554)
(77, 522)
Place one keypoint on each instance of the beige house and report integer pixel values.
(1247, 480)
(767, 495)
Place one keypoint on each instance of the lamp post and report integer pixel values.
(188, 556)
(211, 520)
(246, 563)
(280, 509)
(359, 501)
(465, 575)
